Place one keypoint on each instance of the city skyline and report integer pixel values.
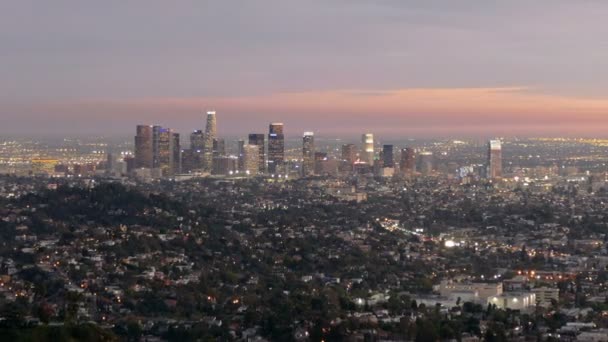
(342, 170)
(395, 68)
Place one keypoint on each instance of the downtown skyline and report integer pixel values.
(397, 68)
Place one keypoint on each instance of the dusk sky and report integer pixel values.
(395, 68)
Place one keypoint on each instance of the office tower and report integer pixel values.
(367, 154)
(276, 148)
(110, 162)
(319, 159)
(176, 149)
(155, 146)
(426, 162)
(197, 140)
(257, 139)
(169, 152)
(195, 156)
(241, 155)
(348, 157)
(494, 159)
(163, 157)
(224, 165)
(219, 147)
(143, 147)
(407, 163)
(349, 153)
(130, 163)
(388, 158)
(308, 154)
(251, 163)
(189, 161)
(219, 150)
(209, 137)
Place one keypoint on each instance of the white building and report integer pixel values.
(480, 291)
(514, 300)
(544, 295)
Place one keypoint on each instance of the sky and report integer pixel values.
(398, 68)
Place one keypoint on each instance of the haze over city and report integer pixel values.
(397, 68)
(304, 171)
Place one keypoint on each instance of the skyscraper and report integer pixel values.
(494, 159)
(176, 150)
(197, 149)
(276, 148)
(197, 140)
(349, 153)
(210, 136)
(388, 158)
(241, 154)
(367, 154)
(156, 146)
(407, 163)
(219, 147)
(426, 162)
(169, 152)
(319, 159)
(250, 159)
(224, 165)
(308, 154)
(143, 147)
(348, 157)
(257, 139)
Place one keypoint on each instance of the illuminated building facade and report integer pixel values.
(276, 148)
(494, 159)
(367, 153)
(308, 154)
(257, 139)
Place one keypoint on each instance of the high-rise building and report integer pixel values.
(426, 162)
(189, 162)
(257, 139)
(348, 157)
(197, 140)
(224, 165)
(388, 159)
(319, 159)
(169, 152)
(197, 150)
(143, 147)
(367, 154)
(219, 147)
(210, 136)
(308, 154)
(156, 146)
(176, 150)
(349, 153)
(251, 161)
(241, 154)
(407, 164)
(494, 159)
(276, 148)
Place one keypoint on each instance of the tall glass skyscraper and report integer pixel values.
(276, 148)
(169, 152)
(257, 139)
(308, 154)
(210, 136)
(494, 159)
(407, 164)
(367, 154)
(388, 159)
(144, 156)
